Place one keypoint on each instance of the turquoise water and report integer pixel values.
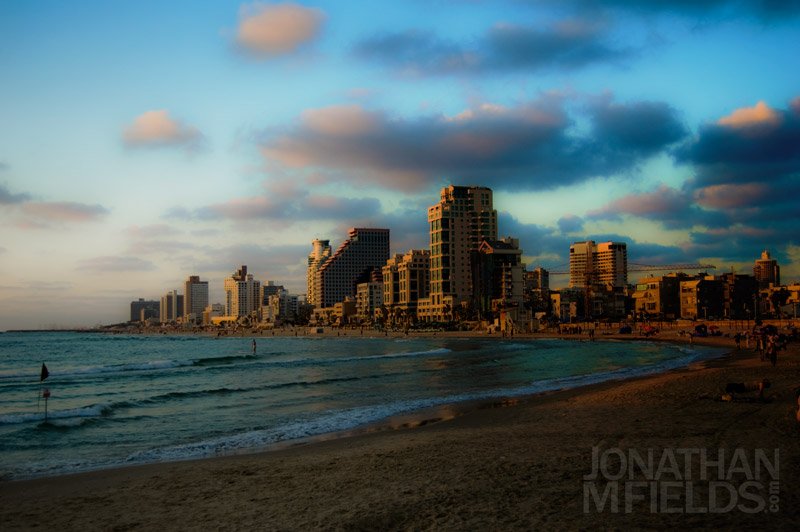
(118, 400)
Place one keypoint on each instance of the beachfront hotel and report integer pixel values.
(366, 250)
(320, 253)
(242, 294)
(605, 264)
(463, 218)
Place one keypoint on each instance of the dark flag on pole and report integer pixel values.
(45, 373)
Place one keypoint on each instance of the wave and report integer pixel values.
(351, 418)
(92, 411)
(223, 360)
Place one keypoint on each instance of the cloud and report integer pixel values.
(107, 264)
(755, 144)
(763, 9)
(8, 198)
(4, 166)
(151, 231)
(282, 201)
(642, 127)
(663, 200)
(530, 146)
(278, 29)
(731, 196)
(154, 129)
(505, 47)
(751, 116)
(64, 211)
(674, 208)
(570, 223)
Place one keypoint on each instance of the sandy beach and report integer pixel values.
(522, 464)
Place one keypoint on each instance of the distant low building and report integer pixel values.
(497, 275)
(369, 297)
(142, 310)
(213, 311)
(702, 298)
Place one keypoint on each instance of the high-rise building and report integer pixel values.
(320, 253)
(242, 294)
(766, 271)
(365, 251)
(171, 307)
(462, 219)
(195, 299)
(406, 279)
(605, 264)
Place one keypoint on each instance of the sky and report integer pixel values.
(145, 141)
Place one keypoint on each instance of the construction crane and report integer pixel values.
(633, 267)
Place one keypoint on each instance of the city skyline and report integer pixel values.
(142, 143)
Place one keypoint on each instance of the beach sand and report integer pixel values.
(513, 465)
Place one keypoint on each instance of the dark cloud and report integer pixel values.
(763, 9)
(747, 166)
(504, 48)
(751, 145)
(570, 223)
(8, 198)
(531, 146)
(641, 128)
(674, 208)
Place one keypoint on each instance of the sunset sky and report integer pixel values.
(145, 141)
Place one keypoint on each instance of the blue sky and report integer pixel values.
(142, 142)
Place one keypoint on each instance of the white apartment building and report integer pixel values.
(242, 294)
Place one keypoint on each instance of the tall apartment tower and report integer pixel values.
(242, 293)
(462, 219)
(366, 250)
(766, 271)
(195, 299)
(320, 253)
(171, 307)
(581, 264)
(592, 264)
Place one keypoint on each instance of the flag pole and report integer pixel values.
(44, 392)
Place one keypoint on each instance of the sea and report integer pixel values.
(118, 400)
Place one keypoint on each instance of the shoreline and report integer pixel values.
(548, 435)
(446, 408)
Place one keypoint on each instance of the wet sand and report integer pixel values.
(513, 465)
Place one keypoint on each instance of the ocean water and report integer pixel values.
(122, 400)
